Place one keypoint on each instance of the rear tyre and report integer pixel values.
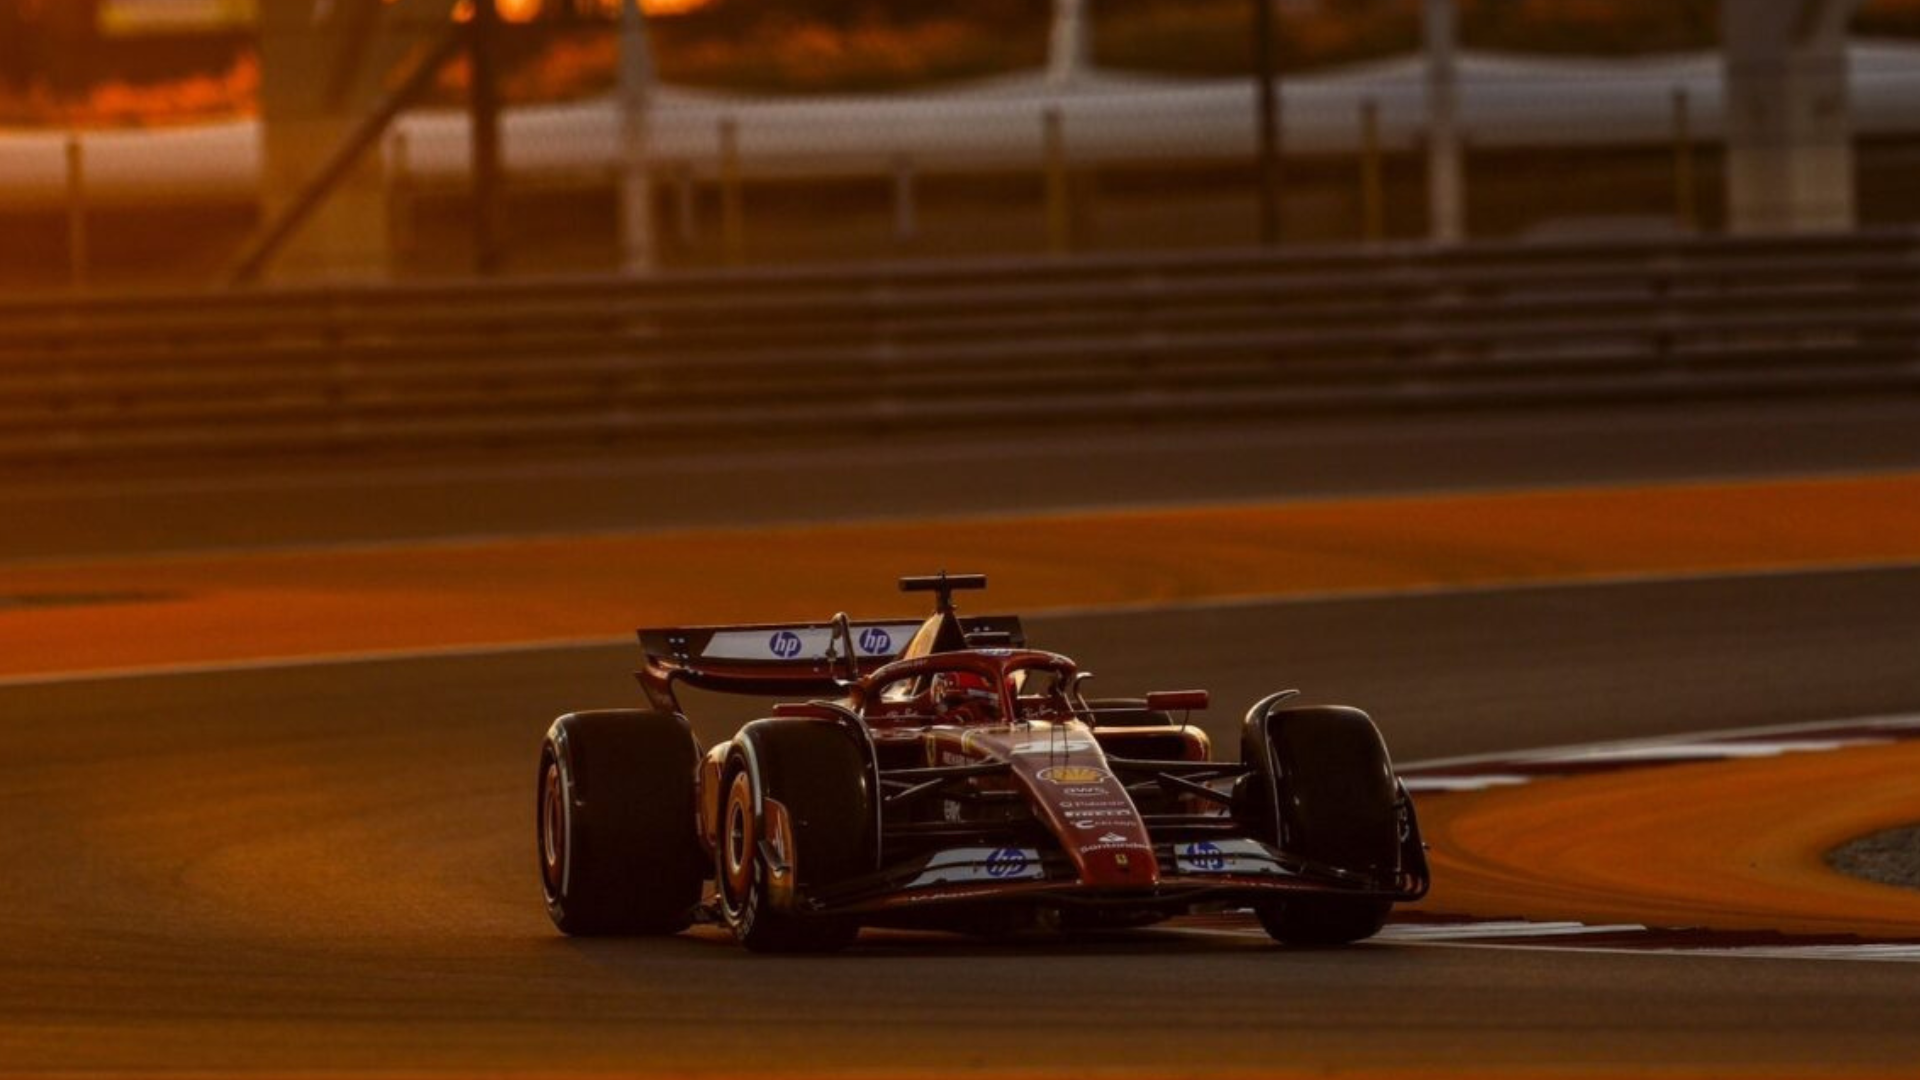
(818, 774)
(1323, 789)
(615, 828)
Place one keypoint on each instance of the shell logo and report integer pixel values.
(1072, 774)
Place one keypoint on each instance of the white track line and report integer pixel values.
(1904, 954)
(1654, 744)
(1514, 935)
(1464, 783)
(1717, 751)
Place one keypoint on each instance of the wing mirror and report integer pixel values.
(1176, 700)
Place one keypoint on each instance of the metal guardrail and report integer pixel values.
(848, 351)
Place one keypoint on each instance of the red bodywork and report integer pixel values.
(1014, 789)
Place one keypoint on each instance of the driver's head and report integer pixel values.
(960, 689)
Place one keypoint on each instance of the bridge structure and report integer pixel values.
(1785, 99)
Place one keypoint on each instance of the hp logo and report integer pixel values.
(785, 644)
(875, 641)
(1206, 856)
(1006, 862)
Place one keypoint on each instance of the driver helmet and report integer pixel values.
(955, 689)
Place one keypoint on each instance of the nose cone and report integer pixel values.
(1071, 788)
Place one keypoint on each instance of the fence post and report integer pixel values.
(1267, 114)
(906, 208)
(483, 103)
(1373, 225)
(1059, 208)
(76, 212)
(1684, 211)
(1446, 187)
(637, 243)
(733, 229)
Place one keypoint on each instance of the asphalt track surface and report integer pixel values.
(330, 867)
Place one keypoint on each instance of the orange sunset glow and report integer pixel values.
(1008, 539)
(528, 10)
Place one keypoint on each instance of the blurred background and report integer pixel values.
(1528, 372)
(162, 142)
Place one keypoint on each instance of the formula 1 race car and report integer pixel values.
(941, 775)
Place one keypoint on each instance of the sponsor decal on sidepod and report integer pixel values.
(1006, 862)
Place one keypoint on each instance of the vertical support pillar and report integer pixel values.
(1059, 200)
(1267, 116)
(484, 103)
(906, 209)
(733, 225)
(1789, 129)
(1446, 213)
(1373, 203)
(1686, 214)
(77, 261)
(323, 69)
(1069, 43)
(637, 242)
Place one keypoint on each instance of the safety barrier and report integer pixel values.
(846, 352)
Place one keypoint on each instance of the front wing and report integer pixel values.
(1194, 871)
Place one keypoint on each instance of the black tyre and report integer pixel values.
(617, 844)
(818, 772)
(1323, 789)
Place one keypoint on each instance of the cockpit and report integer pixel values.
(968, 689)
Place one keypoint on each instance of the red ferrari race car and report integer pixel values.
(942, 775)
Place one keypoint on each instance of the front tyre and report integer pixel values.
(1317, 919)
(1324, 790)
(795, 817)
(616, 839)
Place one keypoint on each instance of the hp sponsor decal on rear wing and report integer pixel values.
(777, 659)
(786, 644)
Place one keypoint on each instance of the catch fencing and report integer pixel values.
(848, 353)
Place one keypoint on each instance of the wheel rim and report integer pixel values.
(737, 846)
(553, 827)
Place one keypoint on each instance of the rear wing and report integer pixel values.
(781, 659)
